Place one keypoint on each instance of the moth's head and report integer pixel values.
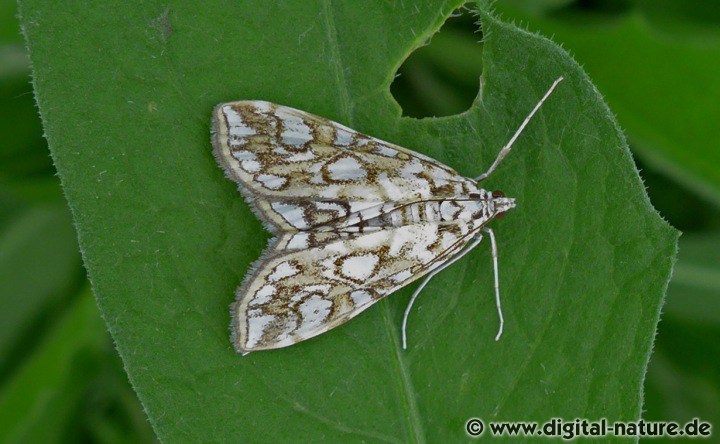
(499, 204)
(495, 204)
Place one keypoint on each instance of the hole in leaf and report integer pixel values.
(442, 78)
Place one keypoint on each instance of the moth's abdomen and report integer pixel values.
(431, 211)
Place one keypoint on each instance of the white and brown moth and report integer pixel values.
(354, 218)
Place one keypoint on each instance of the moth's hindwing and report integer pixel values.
(307, 283)
(300, 171)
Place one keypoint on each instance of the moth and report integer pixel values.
(354, 218)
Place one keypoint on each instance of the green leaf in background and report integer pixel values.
(65, 377)
(126, 92)
(38, 264)
(25, 403)
(696, 281)
(683, 375)
(656, 63)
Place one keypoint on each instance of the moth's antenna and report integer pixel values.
(506, 149)
(457, 257)
(490, 233)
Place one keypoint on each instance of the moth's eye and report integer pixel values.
(475, 195)
(498, 193)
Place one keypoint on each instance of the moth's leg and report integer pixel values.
(490, 233)
(506, 149)
(454, 259)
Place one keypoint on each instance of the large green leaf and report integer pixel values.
(126, 92)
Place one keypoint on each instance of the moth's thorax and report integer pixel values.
(476, 209)
(494, 204)
(486, 205)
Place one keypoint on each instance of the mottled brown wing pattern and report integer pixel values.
(300, 171)
(307, 283)
(355, 218)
